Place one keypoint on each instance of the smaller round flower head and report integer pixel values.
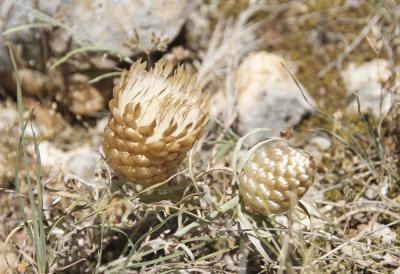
(156, 116)
(276, 176)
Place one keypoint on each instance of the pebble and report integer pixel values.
(367, 80)
(321, 142)
(82, 162)
(268, 96)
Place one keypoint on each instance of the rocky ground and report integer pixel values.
(328, 69)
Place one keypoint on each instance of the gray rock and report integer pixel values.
(14, 13)
(8, 117)
(50, 155)
(353, 251)
(11, 16)
(321, 142)
(81, 162)
(316, 145)
(372, 192)
(380, 232)
(112, 24)
(366, 79)
(108, 24)
(268, 96)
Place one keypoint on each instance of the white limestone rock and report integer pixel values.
(11, 16)
(14, 13)
(8, 117)
(268, 96)
(316, 146)
(112, 24)
(82, 162)
(9, 123)
(367, 79)
(50, 155)
(108, 24)
(379, 232)
(320, 142)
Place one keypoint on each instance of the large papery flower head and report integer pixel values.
(156, 117)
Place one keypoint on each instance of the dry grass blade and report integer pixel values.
(38, 236)
(253, 237)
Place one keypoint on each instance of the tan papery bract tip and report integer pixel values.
(156, 117)
(275, 178)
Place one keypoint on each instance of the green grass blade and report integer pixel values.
(89, 48)
(41, 240)
(18, 151)
(37, 236)
(105, 76)
(26, 27)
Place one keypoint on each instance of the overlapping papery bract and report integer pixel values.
(276, 176)
(156, 116)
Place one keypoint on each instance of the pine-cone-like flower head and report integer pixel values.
(275, 176)
(156, 116)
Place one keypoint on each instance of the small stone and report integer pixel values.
(81, 162)
(146, 23)
(268, 96)
(8, 117)
(79, 78)
(46, 121)
(32, 82)
(360, 217)
(315, 147)
(367, 79)
(353, 3)
(50, 155)
(9, 259)
(58, 41)
(178, 55)
(85, 99)
(372, 192)
(352, 251)
(381, 233)
(321, 142)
